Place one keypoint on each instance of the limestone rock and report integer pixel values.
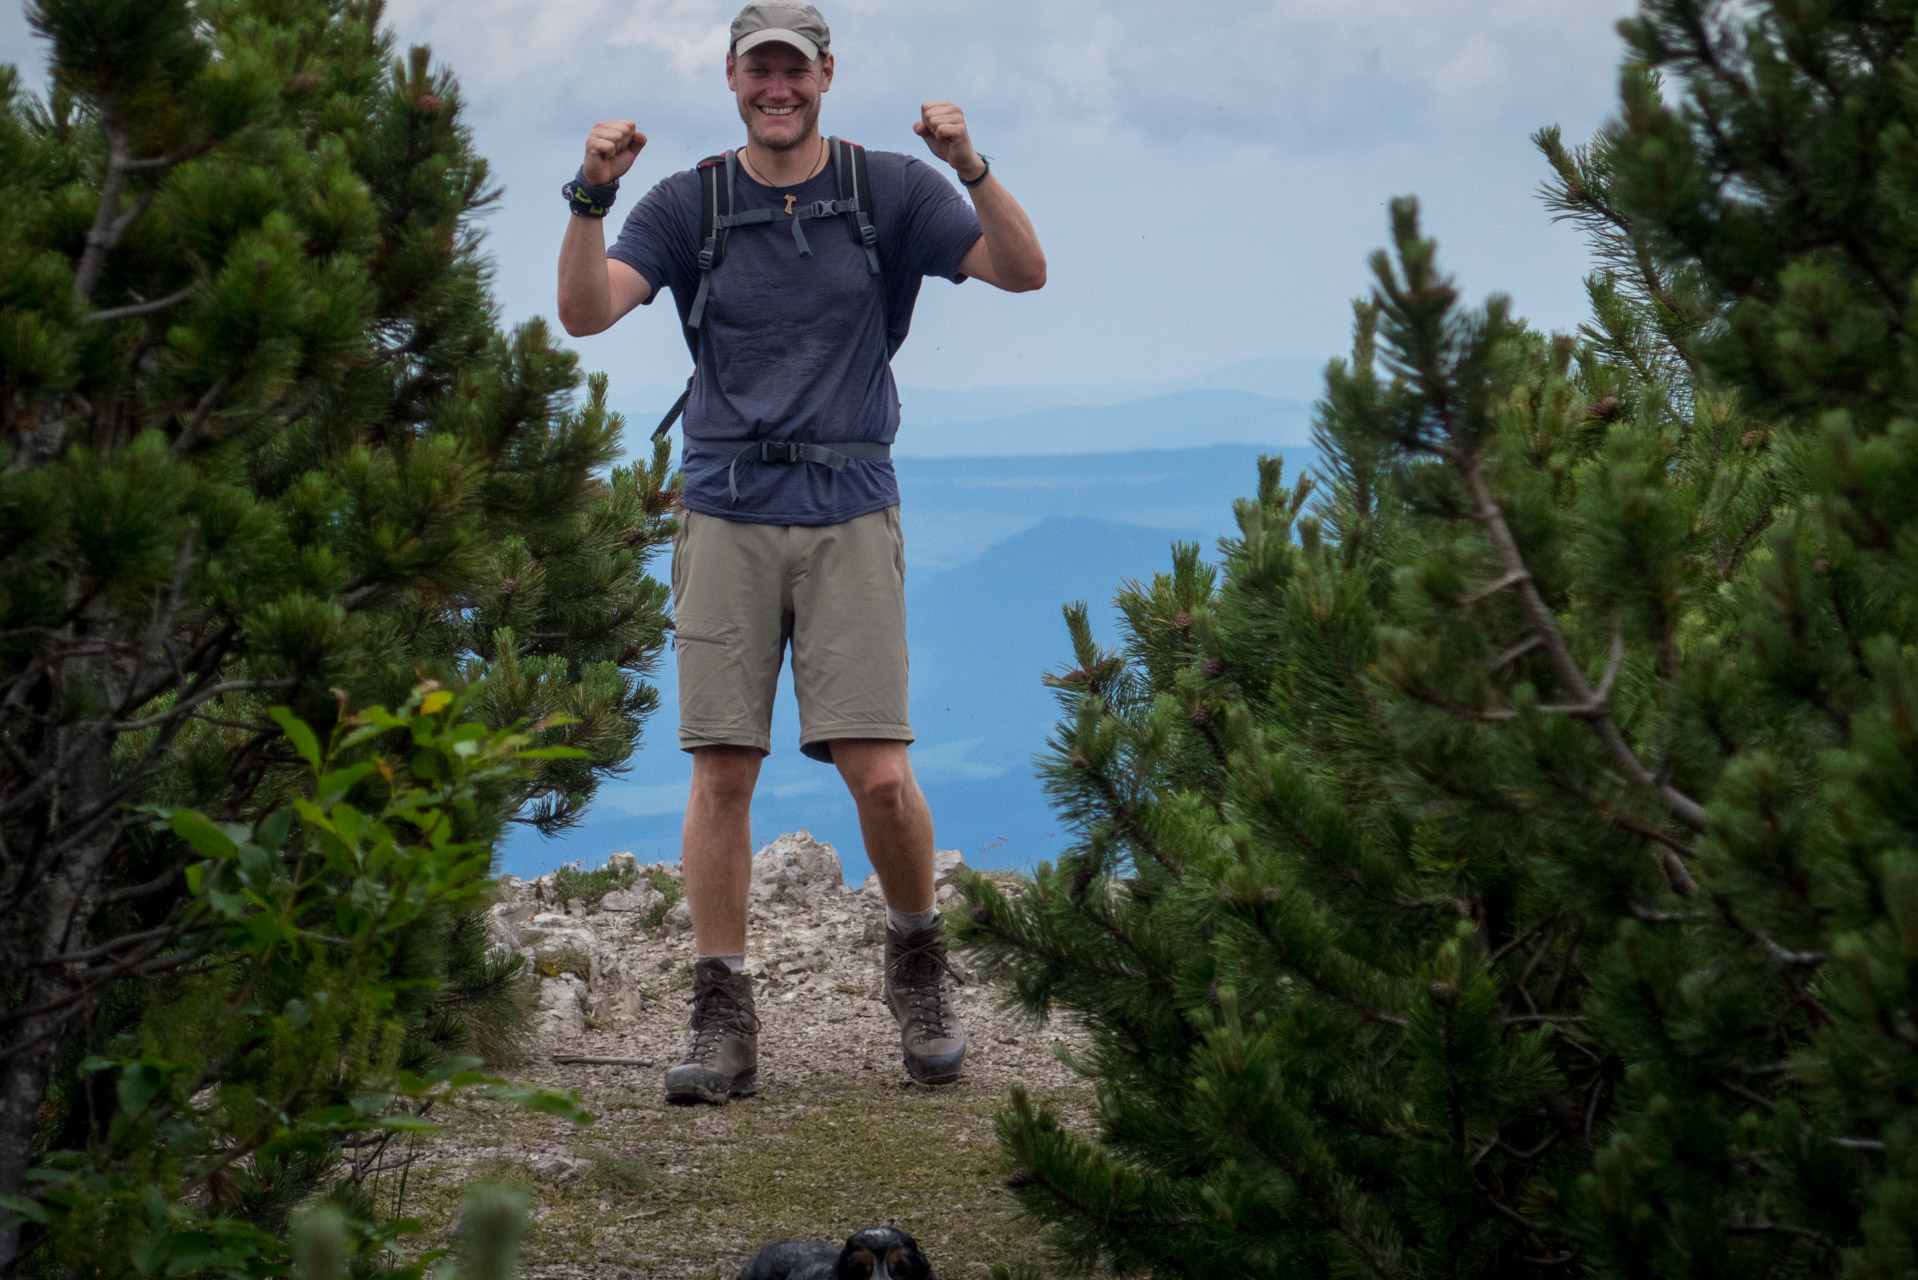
(946, 863)
(680, 919)
(641, 897)
(556, 945)
(621, 862)
(562, 1005)
(557, 1166)
(796, 869)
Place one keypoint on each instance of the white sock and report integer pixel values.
(910, 921)
(734, 963)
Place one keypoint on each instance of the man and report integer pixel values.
(791, 528)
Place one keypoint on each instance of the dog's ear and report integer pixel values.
(907, 1263)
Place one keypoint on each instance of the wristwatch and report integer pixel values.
(587, 200)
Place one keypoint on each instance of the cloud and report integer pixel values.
(645, 801)
(947, 762)
(1287, 73)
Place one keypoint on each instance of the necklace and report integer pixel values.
(756, 176)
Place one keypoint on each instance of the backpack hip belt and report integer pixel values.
(835, 455)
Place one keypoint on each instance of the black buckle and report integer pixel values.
(706, 257)
(779, 451)
(821, 209)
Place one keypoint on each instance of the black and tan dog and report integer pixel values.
(877, 1253)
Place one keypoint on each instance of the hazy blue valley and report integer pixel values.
(995, 546)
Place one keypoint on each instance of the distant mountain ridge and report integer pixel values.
(994, 547)
(1179, 420)
(1267, 403)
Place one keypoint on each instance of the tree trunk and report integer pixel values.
(54, 918)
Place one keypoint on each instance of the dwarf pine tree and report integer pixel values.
(1501, 861)
(263, 442)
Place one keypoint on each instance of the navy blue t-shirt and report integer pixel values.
(796, 348)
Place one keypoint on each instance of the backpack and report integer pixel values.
(718, 177)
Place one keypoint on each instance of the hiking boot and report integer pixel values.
(921, 1002)
(722, 1057)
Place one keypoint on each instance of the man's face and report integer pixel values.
(778, 89)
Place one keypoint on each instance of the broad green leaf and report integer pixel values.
(298, 734)
(194, 828)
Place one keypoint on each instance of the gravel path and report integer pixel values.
(836, 1139)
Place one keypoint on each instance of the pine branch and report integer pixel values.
(134, 309)
(1586, 704)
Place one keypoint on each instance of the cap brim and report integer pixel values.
(777, 35)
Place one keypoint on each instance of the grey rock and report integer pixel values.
(562, 1005)
(945, 863)
(640, 897)
(560, 944)
(794, 868)
(556, 1166)
(621, 862)
(680, 919)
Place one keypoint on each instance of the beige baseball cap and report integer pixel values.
(772, 22)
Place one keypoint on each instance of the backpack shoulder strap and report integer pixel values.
(854, 176)
(716, 184)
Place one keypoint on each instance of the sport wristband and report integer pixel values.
(587, 200)
(984, 173)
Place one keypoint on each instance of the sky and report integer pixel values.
(1208, 178)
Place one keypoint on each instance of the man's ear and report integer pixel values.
(732, 71)
(825, 73)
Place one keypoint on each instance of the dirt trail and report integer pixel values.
(836, 1139)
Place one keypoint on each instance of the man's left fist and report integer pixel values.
(943, 126)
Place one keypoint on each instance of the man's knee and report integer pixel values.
(879, 775)
(725, 776)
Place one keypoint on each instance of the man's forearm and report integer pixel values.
(585, 293)
(1011, 242)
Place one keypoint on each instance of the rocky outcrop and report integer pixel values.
(598, 965)
(797, 870)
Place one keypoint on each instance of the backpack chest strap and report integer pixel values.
(798, 216)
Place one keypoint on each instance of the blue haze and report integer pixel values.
(994, 546)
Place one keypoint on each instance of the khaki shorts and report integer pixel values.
(741, 592)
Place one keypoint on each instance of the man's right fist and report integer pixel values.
(611, 149)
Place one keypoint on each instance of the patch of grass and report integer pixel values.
(622, 1175)
(692, 1192)
(590, 886)
(551, 964)
(504, 1171)
(670, 892)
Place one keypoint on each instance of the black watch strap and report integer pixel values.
(587, 200)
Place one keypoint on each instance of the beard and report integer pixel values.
(808, 117)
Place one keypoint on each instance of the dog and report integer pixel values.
(877, 1253)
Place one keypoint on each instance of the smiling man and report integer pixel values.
(794, 262)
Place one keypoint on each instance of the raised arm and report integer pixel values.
(595, 290)
(1008, 255)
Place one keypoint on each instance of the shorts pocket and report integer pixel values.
(721, 692)
(702, 631)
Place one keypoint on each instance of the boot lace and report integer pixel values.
(716, 1011)
(916, 970)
